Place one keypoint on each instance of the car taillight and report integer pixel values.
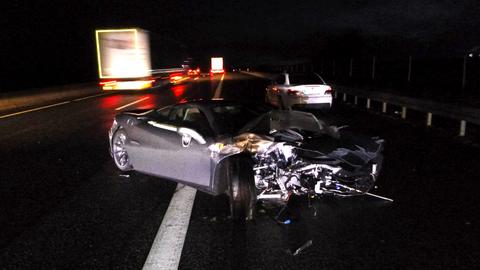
(328, 91)
(291, 92)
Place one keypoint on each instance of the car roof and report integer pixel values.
(209, 103)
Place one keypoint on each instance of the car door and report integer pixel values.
(146, 135)
(174, 149)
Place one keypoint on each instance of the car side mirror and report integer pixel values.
(188, 134)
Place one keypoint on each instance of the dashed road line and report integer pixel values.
(131, 103)
(98, 95)
(167, 247)
(218, 91)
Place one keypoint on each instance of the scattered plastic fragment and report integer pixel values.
(303, 247)
(124, 175)
(380, 197)
(286, 222)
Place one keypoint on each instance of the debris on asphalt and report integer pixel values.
(379, 197)
(303, 247)
(124, 175)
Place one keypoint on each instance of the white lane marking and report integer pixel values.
(53, 105)
(98, 95)
(131, 103)
(35, 109)
(218, 91)
(167, 247)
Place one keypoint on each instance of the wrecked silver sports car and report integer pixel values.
(246, 152)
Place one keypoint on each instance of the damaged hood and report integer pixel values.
(314, 139)
(355, 150)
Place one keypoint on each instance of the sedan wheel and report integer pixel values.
(119, 151)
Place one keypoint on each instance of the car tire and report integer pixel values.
(241, 189)
(119, 152)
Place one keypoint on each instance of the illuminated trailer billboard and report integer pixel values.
(124, 59)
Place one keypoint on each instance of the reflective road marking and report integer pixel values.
(36, 109)
(131, 103)
(53, 105)
(218, 91)
(99, 95)
(168, 244)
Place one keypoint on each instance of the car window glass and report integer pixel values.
(307, 78)
(280, 79)
(190, 117)
(177, 115)
(162, 114)
(196, 119)
(229, 119)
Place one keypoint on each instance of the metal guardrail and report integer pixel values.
(461, 113)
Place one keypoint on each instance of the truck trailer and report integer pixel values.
(217, 65)
(124, 59)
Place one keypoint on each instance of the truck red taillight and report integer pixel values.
(107, 83)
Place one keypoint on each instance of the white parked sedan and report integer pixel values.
(309, 90)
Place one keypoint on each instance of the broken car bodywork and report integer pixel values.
(294, 152)
(288, 152)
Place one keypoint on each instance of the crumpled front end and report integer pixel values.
(283, 168)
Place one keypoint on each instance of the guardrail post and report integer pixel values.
(355, 101)
(429, 119)
(344, 97)
(404, 112)
(368, 103)
(384, 107)
(463, 127)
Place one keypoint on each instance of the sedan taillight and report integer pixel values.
(291, 92)
(328, 91)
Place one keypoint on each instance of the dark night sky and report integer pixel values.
(48, 38)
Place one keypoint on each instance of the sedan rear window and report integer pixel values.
(280, 79)
(307, 78)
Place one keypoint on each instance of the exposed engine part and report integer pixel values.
(280, 171)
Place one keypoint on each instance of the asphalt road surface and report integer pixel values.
(64, 205)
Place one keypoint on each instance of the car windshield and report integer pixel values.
(282, 120)
(305, 78)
